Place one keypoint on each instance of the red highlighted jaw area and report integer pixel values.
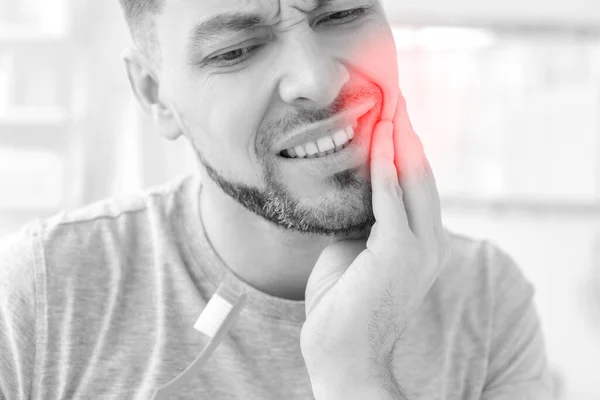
(375, 61)
(355, 153)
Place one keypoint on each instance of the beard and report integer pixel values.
(345, 210)
(349, 213)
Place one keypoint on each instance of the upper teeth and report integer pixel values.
(330, 142)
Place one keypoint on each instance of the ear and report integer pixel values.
(145, 85)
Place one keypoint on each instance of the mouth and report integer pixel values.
(323, 147)
(347, 148)
(324, 137)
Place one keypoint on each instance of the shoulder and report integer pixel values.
(17, 310)
(119, 217)
(87, 234)
(481, 279)
(17, 258)
(481, 261)
(118, 207)
(18, 267)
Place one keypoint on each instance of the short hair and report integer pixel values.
(139, 15)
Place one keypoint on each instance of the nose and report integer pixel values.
(312, 77)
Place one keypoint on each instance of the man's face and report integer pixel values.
(303, 73)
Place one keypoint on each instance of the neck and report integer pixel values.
(270, 259)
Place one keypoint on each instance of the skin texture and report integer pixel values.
(269, 220)
(362, 294)
(361, 245)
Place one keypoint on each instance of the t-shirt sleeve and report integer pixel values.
(17, 315)
(517, 365)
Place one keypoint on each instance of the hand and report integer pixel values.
(361, 295)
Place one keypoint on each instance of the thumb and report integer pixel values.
(329, 268)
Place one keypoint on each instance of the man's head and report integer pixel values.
(140, 16)
(243, 80)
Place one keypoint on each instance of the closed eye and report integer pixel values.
(234, 56)
(346, 16)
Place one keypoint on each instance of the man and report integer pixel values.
(315, 199)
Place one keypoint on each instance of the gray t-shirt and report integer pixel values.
(100, 303)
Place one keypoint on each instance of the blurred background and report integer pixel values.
(504, 93)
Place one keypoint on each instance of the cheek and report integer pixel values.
(227, 111)
(367, 55)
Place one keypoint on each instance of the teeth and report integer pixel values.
(320, 153)
(299, 150)
(350, 132)
(325, 144)
(340, 138)
(311, 148)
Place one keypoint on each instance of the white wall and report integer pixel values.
(583, 13)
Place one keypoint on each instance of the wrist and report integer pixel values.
(347, 385)
(355, 376)
(324, 390)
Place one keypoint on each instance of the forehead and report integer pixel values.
(201, 22)
(210, 7)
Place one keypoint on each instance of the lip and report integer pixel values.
(354, 155)
(316, 131)
(350, 157)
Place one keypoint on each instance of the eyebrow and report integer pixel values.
(316, 4)
(217, 26)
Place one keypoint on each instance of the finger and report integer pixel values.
(389, 104)
(388, 206)
(405, 156)
(429, 177)
(415, 177)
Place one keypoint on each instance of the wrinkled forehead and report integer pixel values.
(266, 7)
(201, 23)
(181, 10)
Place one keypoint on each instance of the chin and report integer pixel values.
(342, 187)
